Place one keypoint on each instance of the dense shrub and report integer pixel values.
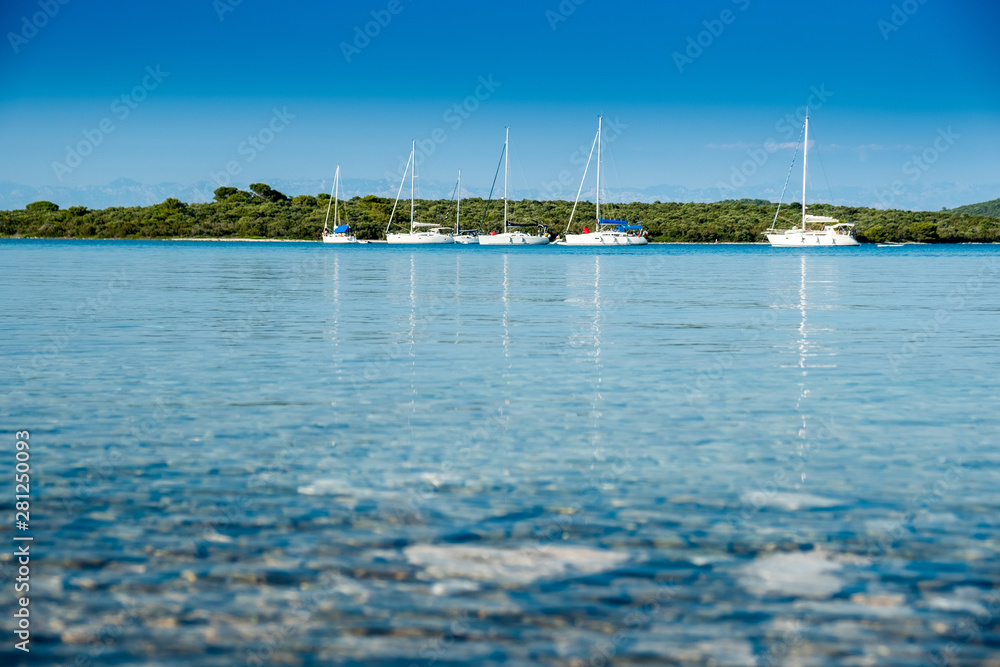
(270, 214)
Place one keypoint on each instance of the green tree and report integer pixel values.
(171, 206)
(241, 197)
(225, 192)
(42, 206)
(924, 231)
(876, 234)
(264, 191)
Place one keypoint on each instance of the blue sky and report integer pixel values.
(174, 92)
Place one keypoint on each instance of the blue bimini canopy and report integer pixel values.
(343, 229)
(620, 225)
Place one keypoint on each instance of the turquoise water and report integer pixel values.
(264, 453)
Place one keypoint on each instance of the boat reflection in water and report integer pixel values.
(811, 355)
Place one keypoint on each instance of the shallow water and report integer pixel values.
(264, 453)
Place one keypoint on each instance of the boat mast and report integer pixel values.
(458, 210)
(506, 171)
(399, 192)
(336, 199)
(599, 120)
(805, 155)
(413, 156)
(332, 191)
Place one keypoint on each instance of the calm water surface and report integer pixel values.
(262, 453)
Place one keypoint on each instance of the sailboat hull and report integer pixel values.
(419, 238)
(339, 239)
(605, 239)
(810, 239)
(466, 239)
(512, 239)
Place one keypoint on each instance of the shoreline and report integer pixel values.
(230, 240)
(383, 242)
(367, 242)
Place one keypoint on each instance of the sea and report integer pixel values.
(298, 454)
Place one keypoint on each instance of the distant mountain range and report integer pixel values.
(127, 192)
(990, 208)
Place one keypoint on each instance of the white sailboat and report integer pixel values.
(463, 236)
(606, 232)
(431, 233)
(341, 233)
(834, 232)
(516, 237)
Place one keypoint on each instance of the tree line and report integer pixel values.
(988, 208)
(264, 213)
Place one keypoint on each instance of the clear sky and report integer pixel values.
(174, 91)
